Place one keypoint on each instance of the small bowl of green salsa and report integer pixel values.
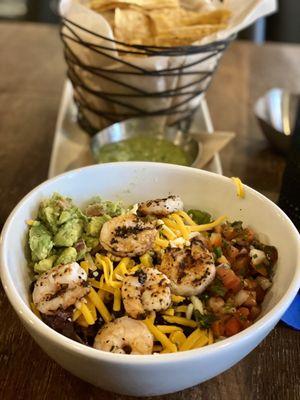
(143, 139)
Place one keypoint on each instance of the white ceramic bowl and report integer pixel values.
(132, 182)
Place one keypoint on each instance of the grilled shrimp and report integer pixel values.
(124, 336)
(160, 207)
(146, 290)
(127, 235)
(190, 270)
(60, 287)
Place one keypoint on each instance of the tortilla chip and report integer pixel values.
(103, 5)
(110, 17)
(164, 20)
(132, 27)
(186, 35)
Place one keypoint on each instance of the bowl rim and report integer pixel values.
(26, 314)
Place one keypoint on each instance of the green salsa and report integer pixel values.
(144, 149)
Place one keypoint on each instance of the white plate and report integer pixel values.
(71, 145)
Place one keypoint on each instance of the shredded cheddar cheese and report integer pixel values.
(152, 316)
(171, 224)
(85, 266)
(76, 314)
(117, 299)
(202, 341)
(108, 271)
(191, 340)
(99, 304)
(177, 299)
(106, 288)
(177, 338)
(168, 328)
(121, 268)
(102, 294)
(169, 311)
(168, 233)
(92, 308)
(186, 218)
(206, 227)
(135, 268)
(181, 226)
(86, 313)
(240, 191)
(146, 260)
(181, 309)
(180, 321)
(94, 283)
(160, 337)
(161, 242)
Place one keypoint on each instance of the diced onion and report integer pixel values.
(197, 304)
(241, 297)
(257, 256)
(189, 311)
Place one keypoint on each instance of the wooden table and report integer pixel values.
(31, 78)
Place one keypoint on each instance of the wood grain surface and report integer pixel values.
(31, 78)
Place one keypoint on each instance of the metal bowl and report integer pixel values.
(137, 127)
(276, 113)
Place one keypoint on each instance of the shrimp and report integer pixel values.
(160, 207)
(60, 287)
(127, 235)
(147, 290)
(190, 269)
(124, 336)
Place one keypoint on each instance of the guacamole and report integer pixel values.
(144, 149)
(40, 242)
(63, 233)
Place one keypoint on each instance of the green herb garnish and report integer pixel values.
(218, 288)
(200, 217)
(204, 321)
(218, 252)
(204, 296)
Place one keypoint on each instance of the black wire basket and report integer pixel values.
(113, 81)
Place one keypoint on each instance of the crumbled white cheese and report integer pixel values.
(192, 235)
(257, 256)
(179, 243)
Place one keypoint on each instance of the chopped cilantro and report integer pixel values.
(204, 321)
(204, 296)
(217, 288)
(218, 252)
